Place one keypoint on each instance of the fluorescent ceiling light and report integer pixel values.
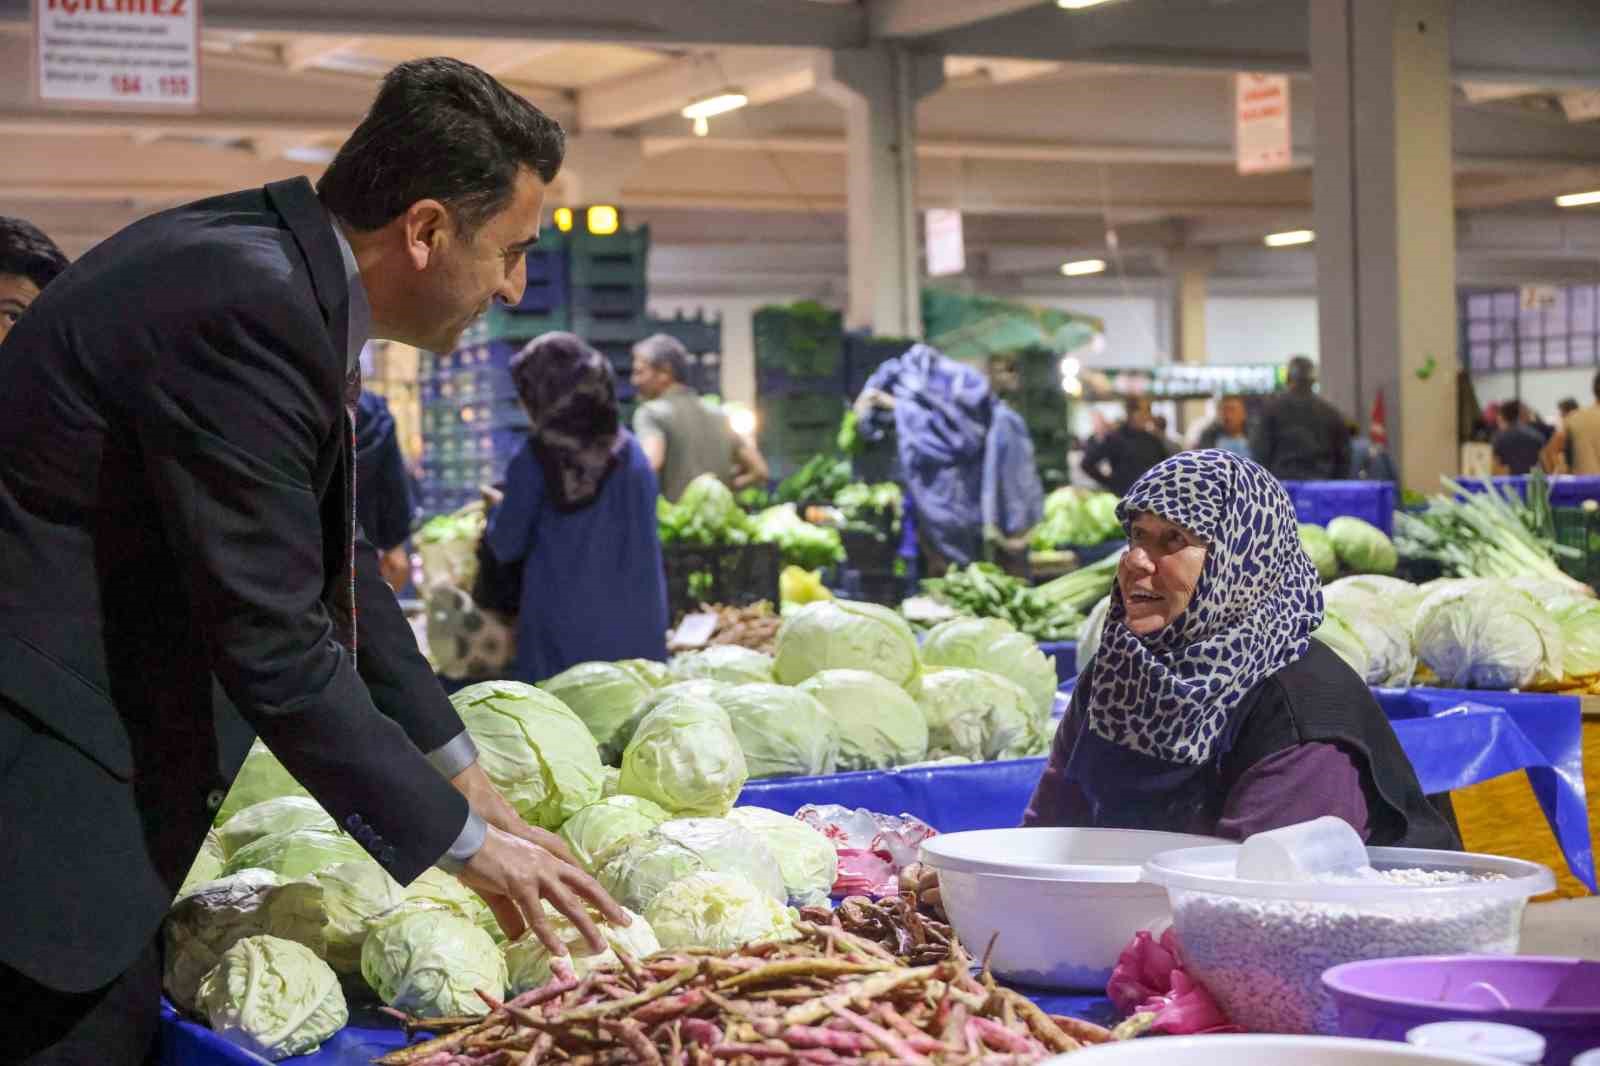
(720, 104)
(310, 153)
(1079, 5)
(1578, 199)
(1290, 237)
(1083, 266)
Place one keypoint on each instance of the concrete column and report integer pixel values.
(596, 167)
(1385, 222)
(879, 87)
(1190, 269)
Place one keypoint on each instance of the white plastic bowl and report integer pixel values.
(1262, 1051)
(1064, 902)
(1261, 947)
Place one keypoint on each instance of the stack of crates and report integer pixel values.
(702, 336)
(800, 382)
(607, 296)
(1043, 407)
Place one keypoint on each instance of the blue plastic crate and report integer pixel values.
(1319, 502)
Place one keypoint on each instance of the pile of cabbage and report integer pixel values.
(1348, 545)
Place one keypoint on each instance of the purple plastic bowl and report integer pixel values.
(1557, 998)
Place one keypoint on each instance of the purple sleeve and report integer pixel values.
(1056, 800)
(1295, 785)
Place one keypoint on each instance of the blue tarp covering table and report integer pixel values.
(1066, 655)
(1318, 502)
(1566, 490)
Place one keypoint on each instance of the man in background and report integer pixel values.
(1229, 431)
(1578, 439)
(682, 436)
(28, 262)
(1158, 426)
(1120, 457)
(1302, 437)
(1517, 444)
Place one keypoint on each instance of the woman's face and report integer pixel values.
(1158, 573)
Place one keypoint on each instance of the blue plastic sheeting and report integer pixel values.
(370, 1034)
(1319, 502)
(1013, 498)
(1066, 654)
(1566, 490)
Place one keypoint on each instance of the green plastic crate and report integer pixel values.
(804, 340)
(1578, 530)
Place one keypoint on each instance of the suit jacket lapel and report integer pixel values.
(308, 221)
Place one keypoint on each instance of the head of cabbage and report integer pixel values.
(1373, 644)
(1400, 599)
(298, 852)
(604, 696)
(273, 997)
(1579, 619)
(528, 961)
(808, 861)
(719, 911)
(354, 895)
(280, 815)
(685, 757)
(216, 915)
(844, 634)
(1481, 634)
(600, 828)
(996, 646)
(684, 846)
(260, 777)
(432, 963)
(879, 724)
(784, 732)
(538, 753)
(728, 663)
(980, 716)
(1362, 547)
(435, 890)
(1319, 548)
(207, 866)
(648, 671)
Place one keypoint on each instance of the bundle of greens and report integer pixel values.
(870, 508)
(705, 516)
(1076, 516)
(807, 546)
(820, 479)
(1053, 611)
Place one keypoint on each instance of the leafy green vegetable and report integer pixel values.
(1093, 628)
(871, 506)
(273, 998)
(802, 544)
(528, 960)
(216, 915)
(601, 828)
(207, 865)
(844, 634)
(1074, 516)
(808, 860)
(604, 696)
(539, 754)
(996, 646)
(279, 815)
(980, 716)
(1053, 611)
(1319, 549)
(685, 757)
(1579, 619)
(1369, 634)
(720, 911)
(354, 894)
(297, 852)
(727, 846)
(1361, 546)
(821, 478)
(879, 724)
(728, 663)
(432, 964)
(1480, 634)
(261, 777)
(706, 515)
(784, 732)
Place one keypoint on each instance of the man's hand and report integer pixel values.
(395, 567)
(516, 878)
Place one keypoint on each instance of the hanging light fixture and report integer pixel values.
(1083, 267)
(704, 109)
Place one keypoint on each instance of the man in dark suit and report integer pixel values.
(179, 566)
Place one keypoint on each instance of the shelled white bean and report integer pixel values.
(1263, 959)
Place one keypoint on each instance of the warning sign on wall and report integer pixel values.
(137, 53)
(1261, 123)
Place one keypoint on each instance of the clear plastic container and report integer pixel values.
(1261, 947)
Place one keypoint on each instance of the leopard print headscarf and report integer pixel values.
(1258, 600)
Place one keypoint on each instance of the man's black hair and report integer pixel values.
(444, 130)
(27, 253)
(1510, 412)
(1567, 405)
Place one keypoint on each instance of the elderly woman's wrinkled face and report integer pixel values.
(1159, 573)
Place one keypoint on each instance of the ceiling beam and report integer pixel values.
(303, 53)
(764, 75)
(917, 18)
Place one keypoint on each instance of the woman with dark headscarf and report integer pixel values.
(580, 514)
(1208, 706)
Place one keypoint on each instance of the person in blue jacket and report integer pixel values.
(579, 514)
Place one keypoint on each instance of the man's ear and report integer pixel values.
(426, 227)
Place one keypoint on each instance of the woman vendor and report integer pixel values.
(1209, 707)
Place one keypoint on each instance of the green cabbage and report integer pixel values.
(648, 671)
(703, 687)
(207, 865)
(435, 890)
(644, 866)
(706, 514)
(996, 646)
(1400, 599)
(432, 964)
(216, 915)
(843, 634)
(808, 860)
(273, 997)
(354, 895)
(1094, 627)
(728, 663)
(1579, 619)
(719, 911)
(979, 715)
(298, 852)
(802, 544)
(1362, 547)
(784, 732)
(594, 832)
(879, 724)
(727, 847)
(1319, 548)
(685, 757)
(605, 696)
(261, 777)
(1370, 641)
(528, 960)
(611, 785)
(281, 815)
(1480, 634)
(536, 751)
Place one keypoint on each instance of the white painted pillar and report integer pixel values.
(1191, 271)
(879, 87)
(1385, 222)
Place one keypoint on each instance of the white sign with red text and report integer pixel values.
(135, 53)
(1261, 123)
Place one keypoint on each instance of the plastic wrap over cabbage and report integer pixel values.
(600, 828)
(808, 860)
(1399, 598)
(281, 815)
(273, 998)
(685, 757)
(844, 634)
(784, 732)
(260, 777)
(432, 963)
(528, 960)
(879, 724)
(216, 915)
(980, 716)
(718, 911)
(538, 753)
(605, 696)
(1481, 634)
(728, 663)
(298, 852)
(996, 646)
(1370, 640)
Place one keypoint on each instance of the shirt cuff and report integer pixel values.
(454, 756)
(468, 841)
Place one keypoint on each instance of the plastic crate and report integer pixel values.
(803, 409)
(609, 299)
(698, 334)
(737, 575)
(1579, 530)
(603, 328)
(1319, 502)
(870, 552)
(803, 341)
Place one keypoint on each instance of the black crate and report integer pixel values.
(737, 575)
(1578, 530)
(881, 587)
(870, 552)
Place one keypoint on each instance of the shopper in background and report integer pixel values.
(1578, 439)
(1557, 455)
(1300, 436)
(579, 515)
(1121, 456)
(1230, 430)
(28, 262)
(684, 437)
(384, 504)
(1517, 444)
(1158, 426)
(179, 566)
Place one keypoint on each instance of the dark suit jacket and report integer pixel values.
(173, 521)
